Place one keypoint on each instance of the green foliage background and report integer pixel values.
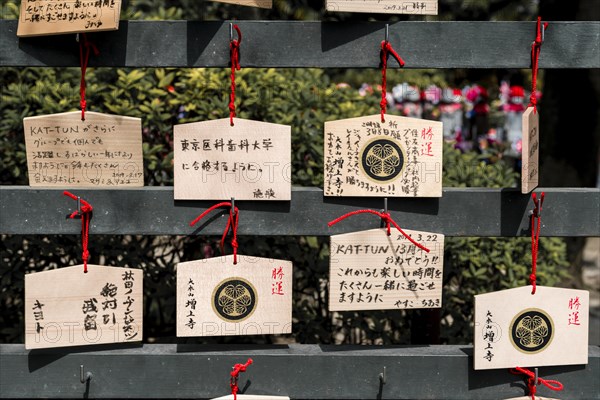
(302, 98)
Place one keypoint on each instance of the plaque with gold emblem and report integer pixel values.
(517, 328)
(401, 157)
(216, 297)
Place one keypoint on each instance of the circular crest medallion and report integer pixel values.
(531, 331)
(234, 299)
(382, 159)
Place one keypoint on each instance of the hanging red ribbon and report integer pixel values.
(85, 46)
(386, 218)
(536, 47)
(536, 224)
(85, 213)
(234, 53)
(386, 50)
(232, 222)
(532, 384)
(235, 373)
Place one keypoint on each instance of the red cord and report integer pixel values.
(235, 373)
(532, 384)
(86, 215)
(536, 47)
(232, 222)
(386, 217)
(84, 55)
(386, 49)
(234, 53)
(536, 224)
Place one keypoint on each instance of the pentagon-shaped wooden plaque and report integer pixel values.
(516, 328)
(67, 307)
(423, 7)
(104, 151)
(369, 270)
(249, 3)
(530, 161)
(248, 161)
(54, 17)
(217, 298)
(401, 157)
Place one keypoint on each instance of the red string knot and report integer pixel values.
(84, 55)
(234, 54)
(232, 223)
(233, 381)
(535, 56)
(88, 45)
(386, 217)
(234, 47)
(536, 225)
(531, 381)
(386, 49)
(533, 99)
(239, 368)
(532, 282)
(84, 211)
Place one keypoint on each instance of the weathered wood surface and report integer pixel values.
(54, 17)
(103, 151)
(530, 163)
(298, 371)
(313, 44)
(423, 7)
(152, 211)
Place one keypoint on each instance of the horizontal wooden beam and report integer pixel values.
(298, 371)
(152, 211)
(313, 44)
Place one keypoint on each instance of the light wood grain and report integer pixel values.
(66, 307)
(369, 270)
(53, 17)
(252, 397)
(423, 7)
(399, 158)
(256, 172)
(199, 283)
(249, 3)
(566, 343)
(530, 168)
(104, 151)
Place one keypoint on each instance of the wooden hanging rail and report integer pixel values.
(298, 371)
(152, 211)
(312, 44)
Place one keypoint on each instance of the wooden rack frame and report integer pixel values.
(300, 371)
